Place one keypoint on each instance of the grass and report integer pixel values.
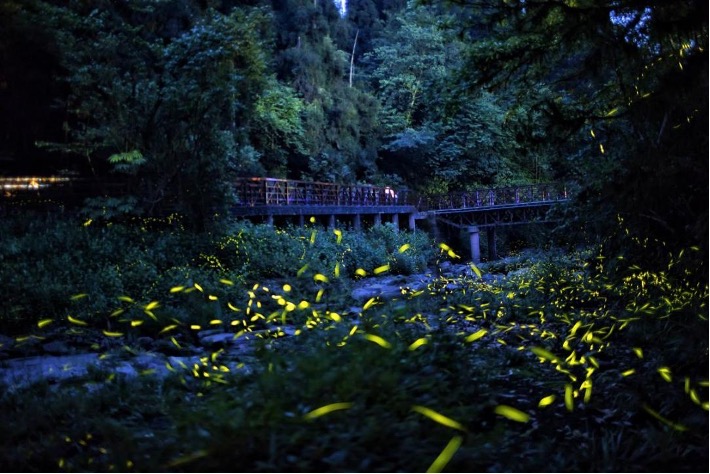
(562, 366)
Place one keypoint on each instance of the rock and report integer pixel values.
(56, 348)
(145, 342)
(30, 369)
(217, 340)
(6, 342)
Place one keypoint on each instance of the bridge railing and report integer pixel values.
(286, 192)
(494, 197)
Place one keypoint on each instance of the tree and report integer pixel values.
(159, 104)
(621, 87)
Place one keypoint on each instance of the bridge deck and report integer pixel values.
(280, 197)
(262, 196)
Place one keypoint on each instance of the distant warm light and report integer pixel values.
(31, 183)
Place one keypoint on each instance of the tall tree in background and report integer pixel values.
(339, 121)
(622, 88)
(433, 127)
(156, 92)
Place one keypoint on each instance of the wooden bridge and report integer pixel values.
(269, 199)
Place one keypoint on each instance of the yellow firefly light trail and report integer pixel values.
(438, 417)
(446, 454)
(324, 410)
(512, 413)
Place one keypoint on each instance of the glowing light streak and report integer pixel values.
(417, 344)
(381, 269)
(319, 277)
(78, 322)
(665, 373)
(324, 410)
(476, 335)
(569, 402)
(378, 340)
(369, 304)
(545, 354)
(438, 417)
(659, 417)
(446, 454)
(545, 401)
(512, 413)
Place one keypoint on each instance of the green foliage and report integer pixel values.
(157, 104)
(600, 83)
(143, 258)
(558, 367)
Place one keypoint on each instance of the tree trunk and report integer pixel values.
(352, 58)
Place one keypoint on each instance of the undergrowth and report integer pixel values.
(562, 365)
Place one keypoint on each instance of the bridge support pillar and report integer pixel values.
(378, 219)
(492, 252)
(395, 221)
(357, 223)
(270, 219)
(475, 239)
(331, 221)
(301, 220)
(412, 222)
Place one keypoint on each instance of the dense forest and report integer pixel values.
(177, 96)
(174, 99)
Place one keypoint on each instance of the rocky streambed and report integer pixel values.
(74, 355)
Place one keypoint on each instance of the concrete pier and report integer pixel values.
(475, 239)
